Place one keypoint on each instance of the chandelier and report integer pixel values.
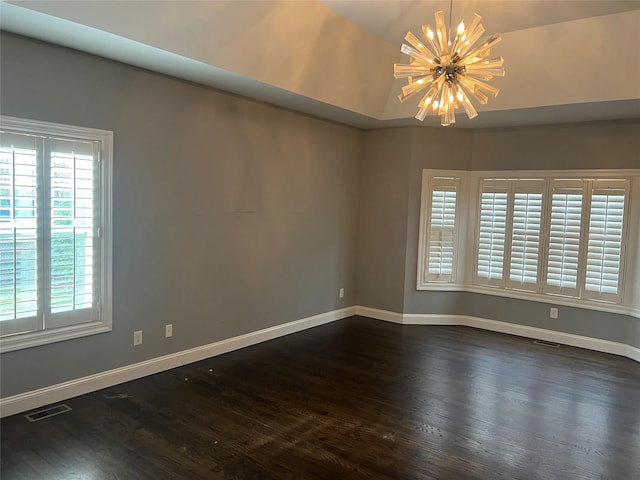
(451, 70)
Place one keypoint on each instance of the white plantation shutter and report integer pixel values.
(526, 224)
(604, 248)
(564, 239)
(19, 257)
(441, 237)
(72, 243)
(50, 250)
(492, 232)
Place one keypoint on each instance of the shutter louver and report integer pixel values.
(564, 237)
(604, 249)
(492, 236)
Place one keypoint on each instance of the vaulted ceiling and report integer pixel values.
(566, 60)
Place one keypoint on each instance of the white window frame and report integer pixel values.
(492, 186)
(510, 187)
(599, 187)
(104, 321)
(527, 186)
(450, 179)
(629, 286)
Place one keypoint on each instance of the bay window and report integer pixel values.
(533, 235)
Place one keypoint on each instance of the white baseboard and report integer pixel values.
(385, 315)
(633, 353)
(590, 343)
(63, 391)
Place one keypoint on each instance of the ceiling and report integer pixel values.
(333, 58)
(391, 19)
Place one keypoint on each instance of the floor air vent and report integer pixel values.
(47, 412)
(547, 343)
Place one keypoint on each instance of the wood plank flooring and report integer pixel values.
(355, 399)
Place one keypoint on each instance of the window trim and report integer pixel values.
(459, 254)
(465, 267)
(448, 184)
(104, 324)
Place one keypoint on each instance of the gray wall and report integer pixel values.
(229, 216)
(633, 337)
(435, 148)
(384, 197)
(613, 144)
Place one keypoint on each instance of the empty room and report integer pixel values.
(320, 239)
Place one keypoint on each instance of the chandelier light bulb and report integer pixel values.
(452, 68)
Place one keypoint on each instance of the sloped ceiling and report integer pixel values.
(566, 60)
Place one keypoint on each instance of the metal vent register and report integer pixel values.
(47, 412)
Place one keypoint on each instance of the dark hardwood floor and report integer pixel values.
(355, 399)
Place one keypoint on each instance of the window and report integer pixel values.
(605, 239)
(492, 234)
(564, 237)
(583, 241)
(440, 244)
(55, 249)
(525, 236)
(568, 237)
(508, 239)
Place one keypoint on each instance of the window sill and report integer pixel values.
(533, 297)
(34, 339)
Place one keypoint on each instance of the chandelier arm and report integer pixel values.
(441, 33)
(486, 73)
(415, 87)
(450, 17)
(469, 109)
(412, 52)
(470, 85)
(471, 40)
(418, 45)
(477, 84)
(401, 70)
(486, 45)
(481, 64)
(444, 99)
(430, 36)
(431, 96)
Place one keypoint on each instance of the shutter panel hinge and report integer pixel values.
(99, 232)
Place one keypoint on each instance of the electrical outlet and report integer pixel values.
(168, 331)
(342, 293)
(553, 313)
(137, 338)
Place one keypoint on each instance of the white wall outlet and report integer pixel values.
(168, 330)
(553, 313)
(137, 338)
(341, 293)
